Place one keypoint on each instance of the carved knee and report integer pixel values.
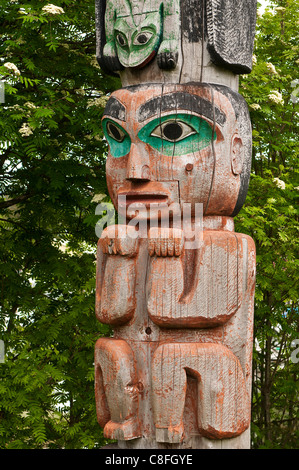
(223, 404)
(117, 389)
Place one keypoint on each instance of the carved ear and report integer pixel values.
(237, 153)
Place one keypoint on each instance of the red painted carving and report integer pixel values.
(178, 367)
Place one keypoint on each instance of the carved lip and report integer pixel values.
(139, 197)
(150, 57)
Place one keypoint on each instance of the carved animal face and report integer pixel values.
(178, 143)
(137, 45)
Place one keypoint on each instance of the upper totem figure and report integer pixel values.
(133, 34)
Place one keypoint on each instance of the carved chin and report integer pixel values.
(136, 63)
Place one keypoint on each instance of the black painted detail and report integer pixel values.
(180, 102)
(192, 15)
(231, 31)
(173, 131)
(115, 132)
(115, 109)
(108, 65)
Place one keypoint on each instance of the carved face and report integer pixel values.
(137, 45)
(178, 143)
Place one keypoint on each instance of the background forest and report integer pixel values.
(52, 175)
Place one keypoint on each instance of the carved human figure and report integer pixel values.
(185, 311)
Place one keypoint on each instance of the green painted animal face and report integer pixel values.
(172, 135)
(137, 45)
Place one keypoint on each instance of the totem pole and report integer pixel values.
(174, 280)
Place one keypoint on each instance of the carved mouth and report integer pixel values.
(150, 57)
(136, 198)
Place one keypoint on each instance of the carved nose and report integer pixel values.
(138, 168)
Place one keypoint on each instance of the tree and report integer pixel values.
(270, 216)
(52, 159)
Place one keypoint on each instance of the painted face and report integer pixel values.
(175, 144)
(137, 45)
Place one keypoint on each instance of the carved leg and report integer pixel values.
(116, 389)
(223, 404)
(168, 51)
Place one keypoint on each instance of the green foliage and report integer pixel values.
(52, 159)
(270, 216)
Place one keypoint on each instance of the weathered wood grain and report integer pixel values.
(145, 338)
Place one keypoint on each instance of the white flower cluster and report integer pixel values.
(25, 130)
(276, 97)
(254, 59)
(30, 105)
(99, 102)
(279, 8)
(271, 68)
(80, 91)
(12, 68)
(255, 106)
(98, 197)
(15, 107)
(53, 9)
(281, 184)
(259, 13)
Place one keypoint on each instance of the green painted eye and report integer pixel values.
(178, 134)
(118, 139)
(115, 132)
(121, 39)
(173, 130)
(142, 38)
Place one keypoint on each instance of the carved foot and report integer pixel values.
(129, 429)
(167, 60)
(165, 242)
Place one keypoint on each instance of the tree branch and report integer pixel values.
(16, 200)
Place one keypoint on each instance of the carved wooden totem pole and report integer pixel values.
(177, 288)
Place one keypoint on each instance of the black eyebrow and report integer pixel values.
(115, 109)
(180, 101)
